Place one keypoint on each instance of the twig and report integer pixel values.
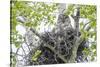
(17, 54)
(27, 44)
(23, 50)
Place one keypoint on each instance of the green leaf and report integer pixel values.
(17, 44)
(36, 55)
(93, 24)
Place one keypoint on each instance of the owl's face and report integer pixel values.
(63, 18)
(65, 21)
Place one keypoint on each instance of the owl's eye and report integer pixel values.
(71, 37)
(69, 32)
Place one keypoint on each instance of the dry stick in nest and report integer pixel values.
(74, 49)
(50, 47)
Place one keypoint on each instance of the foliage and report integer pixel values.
(37, 12)
(34, 13)
(88, 12)
(36, 55)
